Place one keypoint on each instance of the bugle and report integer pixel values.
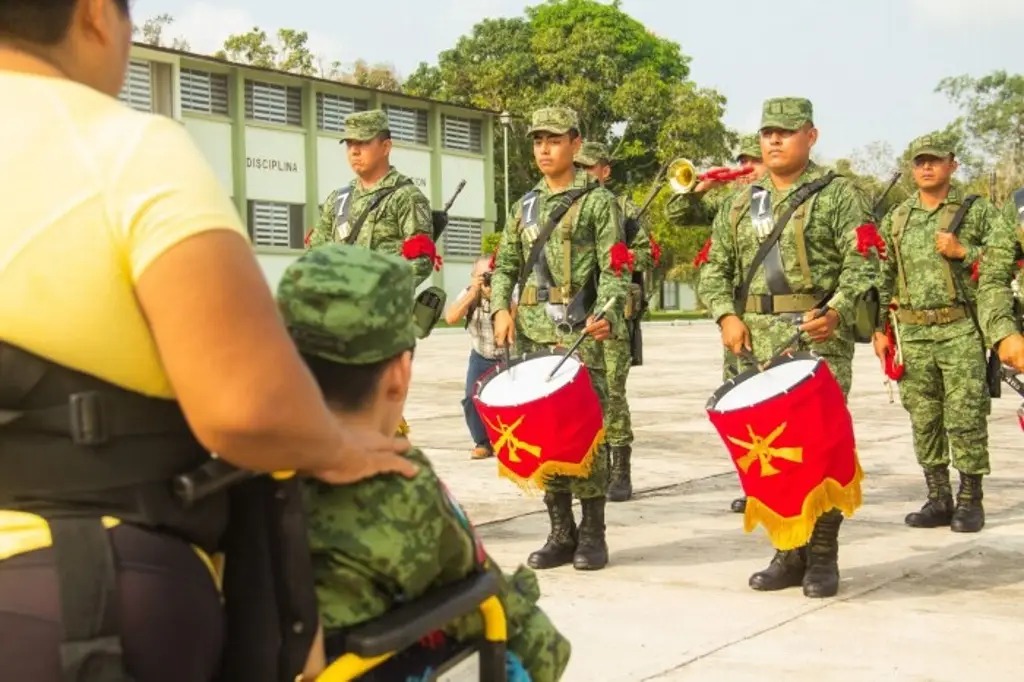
(683, 177)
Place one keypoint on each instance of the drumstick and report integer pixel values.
(583, 335)
(795, 339)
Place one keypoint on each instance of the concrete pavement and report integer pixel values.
(673, 604)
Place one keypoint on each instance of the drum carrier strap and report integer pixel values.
(356, 226)
(565, 201)
(802, 194)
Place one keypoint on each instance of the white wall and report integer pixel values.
(414, 164)
(331, 166)
(471, 202)
(275, 165)
(273, 266)
(214, 140)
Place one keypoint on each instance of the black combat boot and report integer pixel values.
(592, 551)
(739, 505)
(938, 510)
(822, 576)
(969, 516)
(620, 487)
(785, 570)
(561, 544)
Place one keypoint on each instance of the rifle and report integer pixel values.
(439, 219)
(877, 208)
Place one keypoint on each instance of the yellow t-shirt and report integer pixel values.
(93, 192)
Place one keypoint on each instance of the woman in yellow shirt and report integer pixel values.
(137, 334)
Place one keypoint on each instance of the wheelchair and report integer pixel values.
(369, 646)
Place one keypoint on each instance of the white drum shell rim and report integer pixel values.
(525, 382)
(763, 386)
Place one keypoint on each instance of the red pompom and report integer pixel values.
(868, 238)
(655, 251)
(1020, 264)
(421, 245)
(494, 259)
(621, 258)
(307, 238)
(976, 270)
(702, 257)
(892, 370)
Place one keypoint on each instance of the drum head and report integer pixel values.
(754, 387)
(526, 380)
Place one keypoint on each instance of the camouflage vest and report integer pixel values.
(900, 218)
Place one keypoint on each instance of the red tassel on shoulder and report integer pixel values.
(621, 258)
(868, 238)
(494, 259)
(976, 270)
(421, 245)
(702, 257)
(655, 251)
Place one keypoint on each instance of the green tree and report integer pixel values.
(992, 124)
(630, 87)
(152, 32)
(291, 53)
(376, 76)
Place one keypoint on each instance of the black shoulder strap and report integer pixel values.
(353, 233)
(565, 201)
(801, 195)
(958, 218)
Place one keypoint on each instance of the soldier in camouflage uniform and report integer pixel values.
(587, 233)
(398, 216)
(679, 206)
(386, 540)
(1000, 318)
(380, 208)
(943, 387)
(595, 159)
(817, 254)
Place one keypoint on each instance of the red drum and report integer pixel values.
(540, 427)
(790, 436)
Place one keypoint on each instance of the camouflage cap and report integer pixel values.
(365, 125)
(786, 113)
(933, 144)
(591, 154)
(554, 120)
(349, 304)
(750, 145)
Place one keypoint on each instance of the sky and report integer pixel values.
(870, 67)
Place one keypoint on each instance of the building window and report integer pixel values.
(204, 92)
(273, 103)
(137, 91)
(462, 134)
(407, 125)
(462, 237)
(276, 224)
(331, 110)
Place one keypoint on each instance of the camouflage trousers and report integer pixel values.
(596, 484)
(618, 425)
(943, 389)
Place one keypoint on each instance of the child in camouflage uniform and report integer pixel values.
(387, 540)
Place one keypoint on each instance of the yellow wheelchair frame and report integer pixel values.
(370, 645)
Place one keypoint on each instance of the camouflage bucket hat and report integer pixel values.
(933, 144)
(554, 120)
(591, 154)
(365, 125)
(786, 113)
(348, 304)
(750, 145)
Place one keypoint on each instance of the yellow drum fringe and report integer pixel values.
(791, 533)
(535, 483)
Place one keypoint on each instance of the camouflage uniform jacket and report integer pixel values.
(830, 238)
(998, 268)
(918, 277)
(406, 212)
(594, 228)
(643, 259)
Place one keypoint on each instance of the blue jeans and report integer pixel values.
(478, 364)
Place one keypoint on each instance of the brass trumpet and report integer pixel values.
(683, 177)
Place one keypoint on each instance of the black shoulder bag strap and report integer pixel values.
(557, 213)
(801, 195)
(381, 195)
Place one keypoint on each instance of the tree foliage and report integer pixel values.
(152, 32)
(630, 87)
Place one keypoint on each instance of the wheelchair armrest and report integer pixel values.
(404, 626)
